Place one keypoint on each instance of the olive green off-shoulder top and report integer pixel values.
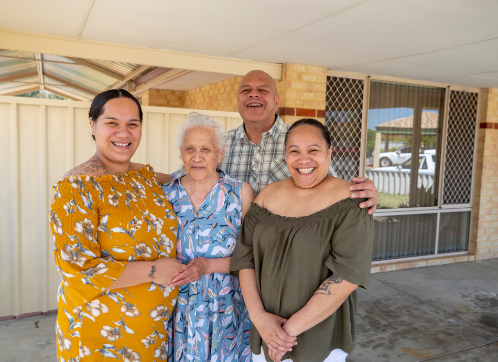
(294, 256)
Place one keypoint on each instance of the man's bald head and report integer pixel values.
(261, 75)
(258, 100)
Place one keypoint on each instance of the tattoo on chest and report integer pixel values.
(93, 165)
(152, 271)
(325, 287)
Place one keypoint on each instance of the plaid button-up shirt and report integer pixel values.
(258, 165)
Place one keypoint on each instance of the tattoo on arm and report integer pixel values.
(324, 288)
(93, 165)
(152, 271)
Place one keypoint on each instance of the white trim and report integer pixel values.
(341, 74)
(406, 211)
(420, 211)
(43, 215)
(476, 146)
(68, 47)
(364, 126)
(424, 257)
(443, 145)
(436, 244)
(456, 206)
(16, 249)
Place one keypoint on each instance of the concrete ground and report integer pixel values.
(443, 313)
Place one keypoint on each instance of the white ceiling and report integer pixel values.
(447, 41)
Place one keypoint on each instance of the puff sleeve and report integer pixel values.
(351, 246)
(74, 219)
(243, 257)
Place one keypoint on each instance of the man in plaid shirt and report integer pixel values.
(255, 151)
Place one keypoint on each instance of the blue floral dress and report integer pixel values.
(210, 321)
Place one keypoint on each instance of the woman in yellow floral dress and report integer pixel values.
(114, 235)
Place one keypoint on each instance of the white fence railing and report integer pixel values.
(397, 183)
(40, 141)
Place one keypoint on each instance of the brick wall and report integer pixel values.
(302, 92)
(484, 238)
(220, 96)
(163, 98)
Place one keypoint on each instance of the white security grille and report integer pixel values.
(344, 108)
(462, 118)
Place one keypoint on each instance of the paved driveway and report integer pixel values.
(444, 313)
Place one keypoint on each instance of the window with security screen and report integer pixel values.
(344, 106)
(402, 154)
(459, 158)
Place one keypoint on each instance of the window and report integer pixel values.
(406, 122)
(420, 213)
(403, 122)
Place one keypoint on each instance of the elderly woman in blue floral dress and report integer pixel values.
(210, 321)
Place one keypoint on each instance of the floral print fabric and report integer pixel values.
(210, 321)
(99, 224)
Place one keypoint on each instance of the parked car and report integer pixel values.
(395, 158)
(427, 165)
(399, 156)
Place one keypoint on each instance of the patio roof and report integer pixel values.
(82, 79)
(447, 41)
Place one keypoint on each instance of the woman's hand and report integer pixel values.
(195, 269)
(160, 271)
(164, 270)
(275, 356)
(270, 329)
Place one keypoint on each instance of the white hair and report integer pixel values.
(195, 119)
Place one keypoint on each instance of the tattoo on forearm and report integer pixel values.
(93, 165)
(152, 271)
(324, 288)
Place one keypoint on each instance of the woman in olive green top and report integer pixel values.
(303, 249)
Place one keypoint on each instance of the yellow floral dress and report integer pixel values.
(99, 224)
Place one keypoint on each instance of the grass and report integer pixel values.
(388, 201)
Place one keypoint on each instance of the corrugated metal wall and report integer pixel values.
(40, 140)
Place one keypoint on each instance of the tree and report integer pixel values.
(41, 94)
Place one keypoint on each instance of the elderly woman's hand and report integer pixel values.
(196, 268)
(164, 270)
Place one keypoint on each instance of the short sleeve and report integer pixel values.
(85, 272)
(351, 246)
(243, 256)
